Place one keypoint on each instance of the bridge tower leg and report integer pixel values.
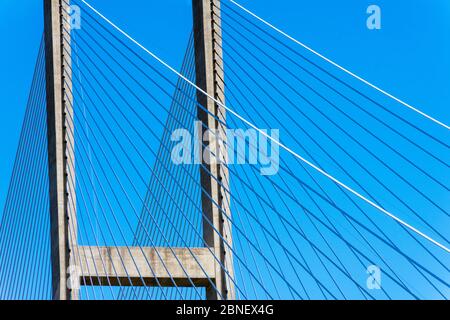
(214, 179)
(62, 198)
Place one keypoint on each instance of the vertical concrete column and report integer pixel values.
(62, 199)
(215, 199)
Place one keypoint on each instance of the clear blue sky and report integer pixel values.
(409, 56)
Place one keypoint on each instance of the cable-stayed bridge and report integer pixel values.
(260, 169)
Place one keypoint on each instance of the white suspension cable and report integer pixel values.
(410, 227)
(340, 67)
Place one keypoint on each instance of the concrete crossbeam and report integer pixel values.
(143, 266)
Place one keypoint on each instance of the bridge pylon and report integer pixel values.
(210, 266)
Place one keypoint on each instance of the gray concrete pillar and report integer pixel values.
(209, 75)
(61, 213)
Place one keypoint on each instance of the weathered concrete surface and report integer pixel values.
(210, 78)
(119, 264)
(60, 213)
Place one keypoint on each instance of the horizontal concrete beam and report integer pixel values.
(114, 266)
